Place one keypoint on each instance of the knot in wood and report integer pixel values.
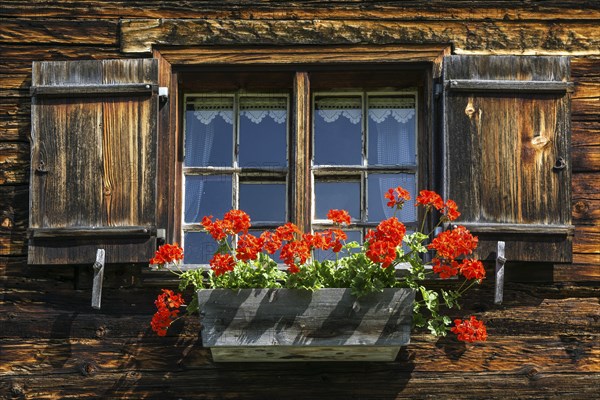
(540, 141)
(7, 223)
(470, 110)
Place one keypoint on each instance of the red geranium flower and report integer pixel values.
(470, 330)
(294, 254)
(446, 270)
(287, 231)
(248, 247)
(271, 242)
(430, 198)
(167, 304)
(222, 263)
(339, 216)
(472, 269)
(237, 220)
(397, 197)
(450, 210)
(167, 253)
(454, 243)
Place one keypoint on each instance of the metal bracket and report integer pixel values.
(163, 94)
(98, 277)
(500, 261)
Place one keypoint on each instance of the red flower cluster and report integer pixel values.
(295, 248)
(339, 217)
(397, 197)
(221, 263)
(450, 245)
(429, 198)
(167, 253)
(470, 330)
(167, 304)
(382, 242)
(454, 243)
(233, 222)
(248, 247)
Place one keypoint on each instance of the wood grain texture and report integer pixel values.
(13, 219)
(138, 35)
(543, 339)
(56, 31)
(94, 158)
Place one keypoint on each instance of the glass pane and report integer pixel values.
(264, 202)
(263, 132)
(337, 195)
(199, 247)
(338, 131)
(377, 204)
(391, 128)
(206, 195)
(322, 255)
(209, 132)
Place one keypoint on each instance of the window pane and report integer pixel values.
(377, 204)
(322, 255)
(199, 247)
(338, 131)
(337, 195)
(264, 202)
(206, 195)
(209, 132)
(391, 128)
(263, 131)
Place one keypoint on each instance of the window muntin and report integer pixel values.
(235, 156)
(386, 123)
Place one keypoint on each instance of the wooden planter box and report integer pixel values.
(297, 325)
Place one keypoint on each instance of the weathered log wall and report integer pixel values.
(544, 339)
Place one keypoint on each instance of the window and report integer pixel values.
(107, 164)
(238, 152)
(235, 156)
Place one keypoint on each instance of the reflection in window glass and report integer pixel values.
(378, 185)
(264, 202)
(199, 247)
(263, 131)
(337, 195)
(338, 131)
(322, 255)
(209, 132)
(206, 195)
(391, 131)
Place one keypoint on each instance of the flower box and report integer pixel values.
(298, 325)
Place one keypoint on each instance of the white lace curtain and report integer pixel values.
(253, 108)
(402, 109)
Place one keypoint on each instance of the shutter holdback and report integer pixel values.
(98, 278)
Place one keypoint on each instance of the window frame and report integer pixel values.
(177, 63)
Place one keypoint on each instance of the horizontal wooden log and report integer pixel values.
(327, 382)
(138, 35)
(14, 219)
(577, 272)
(585, 133)
(253, 55)
(586, 240)
(592, 260)
(551, 354)
(585, 158)
(335, 9)
(59, 31)
(14, 163)
(584, 67)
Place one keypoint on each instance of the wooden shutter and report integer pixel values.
(93, 161)
(506, 148)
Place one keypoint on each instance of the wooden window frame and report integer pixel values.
(176, 64)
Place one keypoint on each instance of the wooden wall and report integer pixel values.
(544, 341)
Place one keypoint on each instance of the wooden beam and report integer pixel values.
(300, 171)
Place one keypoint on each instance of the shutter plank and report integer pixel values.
(98, 160)
(501, 146)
